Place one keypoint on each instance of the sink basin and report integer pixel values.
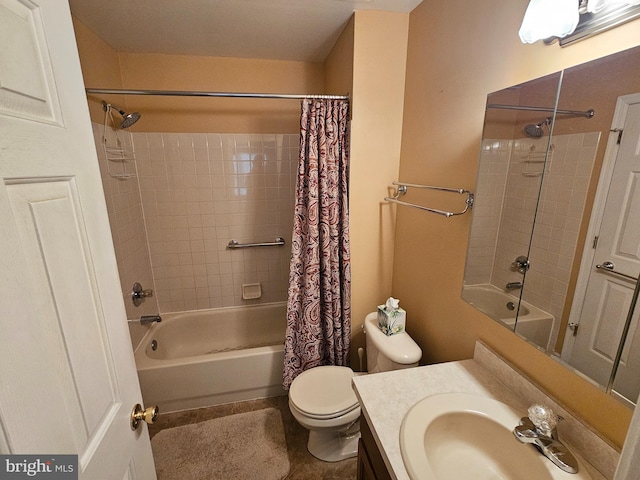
(457, 436)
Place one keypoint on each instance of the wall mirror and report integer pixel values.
(554, 246)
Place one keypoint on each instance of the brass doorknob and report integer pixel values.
(138, 414)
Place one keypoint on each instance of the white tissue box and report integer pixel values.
(391, 321)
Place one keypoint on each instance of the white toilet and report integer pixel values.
(322, 399)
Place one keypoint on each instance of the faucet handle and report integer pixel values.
(521, 264)
(526, 422)
(138, 294)
(544, 419)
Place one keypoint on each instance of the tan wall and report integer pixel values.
(100, 68)
(380, 42)
(222, 115)
(454, 61)
(103, 67)
(339, 63)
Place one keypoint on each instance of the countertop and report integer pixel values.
(386, 397)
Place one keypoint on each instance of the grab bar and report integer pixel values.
(279, 241)
(609, 268)
(402, 190)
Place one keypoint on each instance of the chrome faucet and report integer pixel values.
(149, 319)
(514, 285)
(521, 264)
(539, 429)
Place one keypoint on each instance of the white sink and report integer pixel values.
(456, 436)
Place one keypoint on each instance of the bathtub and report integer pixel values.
(209, 357)
(534, 324)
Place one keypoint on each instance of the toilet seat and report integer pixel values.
(324, 392)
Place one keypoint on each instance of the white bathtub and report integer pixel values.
(210, 357)
(533, 323)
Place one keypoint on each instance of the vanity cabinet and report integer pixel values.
(371, 466)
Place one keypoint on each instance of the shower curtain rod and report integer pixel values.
(588, 113)
(187, 93)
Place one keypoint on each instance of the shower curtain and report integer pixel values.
(318, 309)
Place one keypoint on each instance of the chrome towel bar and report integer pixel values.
(279, 241)
(610, 268)
(402, 190)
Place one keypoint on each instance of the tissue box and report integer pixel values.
(391, 321)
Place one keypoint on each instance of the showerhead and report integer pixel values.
(128, 119)
(536, 131)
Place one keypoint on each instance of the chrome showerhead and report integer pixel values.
(128, 119)
(536, 131)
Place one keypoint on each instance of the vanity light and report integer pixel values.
(545, 19)
(549, 18)
(593, 6)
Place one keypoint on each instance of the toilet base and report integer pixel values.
(334, 446)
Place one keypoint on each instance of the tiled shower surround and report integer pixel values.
(189, 195)
(509, 177)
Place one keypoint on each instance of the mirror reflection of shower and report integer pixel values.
(513, 161)
(536, 130)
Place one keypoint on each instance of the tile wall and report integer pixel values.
(509, 177)
(562, 204)
(493, 167)
(124, 206)
(196, 193)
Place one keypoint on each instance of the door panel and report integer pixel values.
(68, 379)
(27, 87)
(48, 221)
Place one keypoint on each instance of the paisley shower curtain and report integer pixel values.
(319, 309)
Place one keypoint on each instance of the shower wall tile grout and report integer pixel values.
(192, 194)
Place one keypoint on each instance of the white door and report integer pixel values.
(67, 375)
(602, 304)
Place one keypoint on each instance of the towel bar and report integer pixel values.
(402, 190)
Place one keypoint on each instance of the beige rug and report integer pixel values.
(245, 446)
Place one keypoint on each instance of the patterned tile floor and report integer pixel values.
(304, 466)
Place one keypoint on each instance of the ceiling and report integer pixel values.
(301, 30)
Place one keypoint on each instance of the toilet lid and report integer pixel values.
(324, 392)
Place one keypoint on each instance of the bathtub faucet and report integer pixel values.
(149, 319)
(514, 285)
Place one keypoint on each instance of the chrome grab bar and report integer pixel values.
(609, 268)
(402, 190)
(279, 241)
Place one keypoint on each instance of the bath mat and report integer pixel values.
(245, 446)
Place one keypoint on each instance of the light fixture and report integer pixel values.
(594, 6)
(549, 18)
(553, 19)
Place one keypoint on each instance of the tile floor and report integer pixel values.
(303, 465)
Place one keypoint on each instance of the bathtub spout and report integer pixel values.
(514, 285)
(149, 319)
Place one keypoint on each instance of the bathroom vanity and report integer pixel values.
(386, 398)
(371, 464)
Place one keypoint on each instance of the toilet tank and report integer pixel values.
(385, 353)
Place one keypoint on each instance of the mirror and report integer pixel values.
(547, 164)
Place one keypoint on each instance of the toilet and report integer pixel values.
(323, 401)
